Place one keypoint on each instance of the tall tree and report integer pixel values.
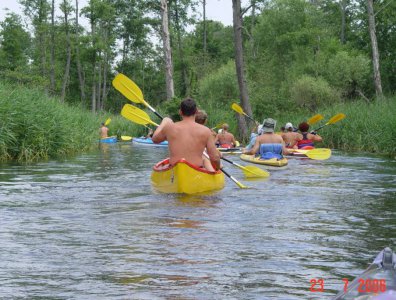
(66, 9)
(240, 67)
(170, 90)
(78, 59)
(52, 65)
(374, 48)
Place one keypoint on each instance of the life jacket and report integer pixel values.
(268, 151)
(305, 141)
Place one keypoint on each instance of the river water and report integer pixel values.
(91, 227)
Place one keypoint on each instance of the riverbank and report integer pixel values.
(34, 126)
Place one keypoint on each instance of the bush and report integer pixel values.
(310, 92)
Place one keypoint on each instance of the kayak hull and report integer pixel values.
(185, 177)
(148, 142)
(378, 281)
(109, 140)
(273, 162)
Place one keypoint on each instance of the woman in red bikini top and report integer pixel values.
(305, 139)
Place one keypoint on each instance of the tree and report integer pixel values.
(170, 91)
(14, 43)
(66, 9)
(374, 48)
(239, 64)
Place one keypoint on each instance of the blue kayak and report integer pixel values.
(377, 282)
(109, 140)
(148, 142)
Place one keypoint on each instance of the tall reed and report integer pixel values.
(34, 126)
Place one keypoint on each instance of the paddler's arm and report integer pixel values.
(214, 155)
(160, 133)
(254, 149)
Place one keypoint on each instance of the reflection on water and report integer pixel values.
(92, 227)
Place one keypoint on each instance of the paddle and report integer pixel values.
(334, 119)
(138, 116)
(240, 111)
(249, 171)
(126, 138)
(131, 91)
(107, 122)
(315, 119)
(316, 154)
(218, 126)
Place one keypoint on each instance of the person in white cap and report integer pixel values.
(290, 137)
(268, 145)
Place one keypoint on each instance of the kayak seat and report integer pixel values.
(269, 151)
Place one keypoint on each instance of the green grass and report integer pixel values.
(34, 126)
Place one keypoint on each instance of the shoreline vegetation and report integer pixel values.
(34, 126)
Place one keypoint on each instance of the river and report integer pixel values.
(91, 227)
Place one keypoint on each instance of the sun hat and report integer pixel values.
(269, 125)
(288, 125)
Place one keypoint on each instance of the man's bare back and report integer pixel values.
(290, 139)
(187, 139)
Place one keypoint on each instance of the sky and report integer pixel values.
(218, 10)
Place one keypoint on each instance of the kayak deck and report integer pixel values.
(148, 142)
(184, 177)
(273, 162)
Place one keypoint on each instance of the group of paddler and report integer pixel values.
(192, 145)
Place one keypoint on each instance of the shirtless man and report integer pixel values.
(273, 142)
(305, 138)
(290, 137)
(225, 139)
(103, 130)
(188, 139)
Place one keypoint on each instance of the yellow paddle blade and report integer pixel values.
(254, 172)
(336, 118)
(218, 126)
(107, 122)
(315, 119)
(136, 115)
(126, 138)
(128, 88)
(237, 108)
(319, 153)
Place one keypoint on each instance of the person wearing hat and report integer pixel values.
(290, 137)
(225, 139)
(305, 140)
(268, 145)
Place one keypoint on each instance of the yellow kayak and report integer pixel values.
(273, 162)
(185, 177)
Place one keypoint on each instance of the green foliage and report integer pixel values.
(34, 126)
(309, 92)
(348, 73)
(219, 87)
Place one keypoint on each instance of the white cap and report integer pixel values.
(288, 125)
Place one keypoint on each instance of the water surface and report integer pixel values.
(91, 227)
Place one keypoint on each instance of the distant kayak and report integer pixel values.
(148, 142)
(230, 150)
(185, 177)
(273, 162)
(377, 282)
(109, 140)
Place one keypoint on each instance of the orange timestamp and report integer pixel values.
(365, 285)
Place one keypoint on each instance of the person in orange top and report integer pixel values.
(225, 139)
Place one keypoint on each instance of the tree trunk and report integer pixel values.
(170, 91)
(239, 64)
(204, 33)
(79, 68)
(93, 96)
(68, 51)
(253, 20)
(181, 53)
(374, 47)
(343, 5)
(52, 72)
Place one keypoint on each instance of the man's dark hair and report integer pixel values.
(188, 107)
